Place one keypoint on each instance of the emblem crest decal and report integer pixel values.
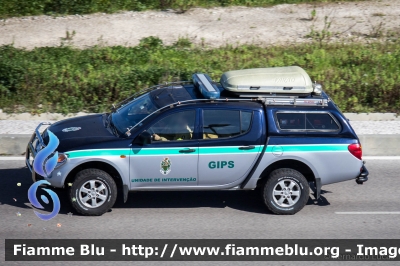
(165, 166)
(69, 129)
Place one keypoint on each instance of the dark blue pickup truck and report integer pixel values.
(269, 129)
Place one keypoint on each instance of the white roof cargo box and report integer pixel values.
(274, 80)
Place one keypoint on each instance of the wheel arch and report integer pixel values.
(294, 164)
(106, 167)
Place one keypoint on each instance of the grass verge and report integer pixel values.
(359, 77)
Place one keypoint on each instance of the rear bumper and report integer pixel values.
(363, 177)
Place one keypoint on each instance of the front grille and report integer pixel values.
(45, 137)
(35, 144)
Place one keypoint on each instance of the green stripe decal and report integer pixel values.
(308, 148)
(97, 153)
(126, 152)
(208, 150)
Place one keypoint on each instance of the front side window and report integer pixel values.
(174, 127)
(225, 123)
(306, 121)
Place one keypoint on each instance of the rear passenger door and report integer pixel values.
(229, 147)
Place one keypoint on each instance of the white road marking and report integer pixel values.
(12, 158)
(381, 157)
(373, 213)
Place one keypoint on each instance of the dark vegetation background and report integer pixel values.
(360, 77)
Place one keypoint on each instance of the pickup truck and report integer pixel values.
(268, 129)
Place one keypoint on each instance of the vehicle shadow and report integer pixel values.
(15, 183)
(246, 200)
(322, 201)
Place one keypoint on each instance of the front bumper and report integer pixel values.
(363, 177)
(35, 144)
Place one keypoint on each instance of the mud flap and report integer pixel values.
(126, 191)
(317, 191)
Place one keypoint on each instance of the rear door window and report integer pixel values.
(225, 123)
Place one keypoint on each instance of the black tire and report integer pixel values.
(103, 192)
(286, 191)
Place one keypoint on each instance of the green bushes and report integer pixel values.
(359, 77)
(10, 8)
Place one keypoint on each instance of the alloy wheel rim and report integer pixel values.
(93, 193)
(286, 193)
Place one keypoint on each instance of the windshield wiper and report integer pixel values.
(107, 124)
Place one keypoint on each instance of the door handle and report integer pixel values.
(247, 148)
(187, 151)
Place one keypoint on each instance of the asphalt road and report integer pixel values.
(344, 211)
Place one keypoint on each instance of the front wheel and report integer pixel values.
(93, 192)
(286, 191)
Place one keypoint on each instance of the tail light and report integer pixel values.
(356, 150)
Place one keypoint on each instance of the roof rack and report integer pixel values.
(294, 101)
(285, 99)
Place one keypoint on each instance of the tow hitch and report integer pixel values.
(363, 177)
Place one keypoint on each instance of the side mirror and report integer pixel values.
(144, 138)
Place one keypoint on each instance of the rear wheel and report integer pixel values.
(286, 191)
(93, 192)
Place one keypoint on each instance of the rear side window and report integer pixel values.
(225, 123)
(321, 121)
(307, 121)
(292, 120)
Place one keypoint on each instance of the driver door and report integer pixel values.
(170, 160)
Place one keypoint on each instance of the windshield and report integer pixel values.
(132, 113)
